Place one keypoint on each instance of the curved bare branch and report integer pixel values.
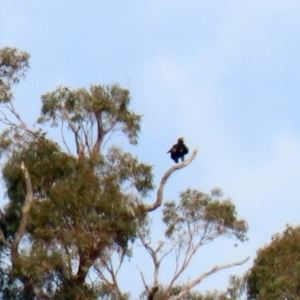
(164, 179)
(215, 269)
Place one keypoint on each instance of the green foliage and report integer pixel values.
(236, 289)
(85, 208)
(81, 208)
(110, 103)
(276, 270)
(208, 217)
(196, 220)
(46, 165)
(13, 66)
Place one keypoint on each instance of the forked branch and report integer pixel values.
(164, 179)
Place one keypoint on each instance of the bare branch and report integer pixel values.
(164, 179)
(189, 253)
(63, 136)
(22, 123)
(215, 269)
(153, 254)
(25, 210)
(22, 229)
(110, 269)
(100, 134)
(143, 278)
(120, 263)
(111, 279)
(111, 132)
(101, 275)
(67, 117)
(78, 142)
(167, 253)
(152, 291)
(10, 107)
(113, 284)
(86, 139)
(157, 261)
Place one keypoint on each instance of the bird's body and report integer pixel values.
(178, 150)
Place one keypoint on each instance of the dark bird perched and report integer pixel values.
(179, 150)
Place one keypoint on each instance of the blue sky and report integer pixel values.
(224, 74)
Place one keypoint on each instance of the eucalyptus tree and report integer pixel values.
(74, 208)
(276, 269)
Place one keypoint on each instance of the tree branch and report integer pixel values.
(153, 254)
(86, 140)
(25, 210)
(100, 134)
(143, 279)
(187, 258)
(5, 120)
(113, 283)
(63, 136)
(152, 291)
(29, 286)
(78, 142)
(215, 269)
(164, 179)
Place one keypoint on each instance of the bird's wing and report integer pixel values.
(173, 149)
(185, 149)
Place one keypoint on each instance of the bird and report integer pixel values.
(178, 150)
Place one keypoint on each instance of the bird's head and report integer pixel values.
(181, 139)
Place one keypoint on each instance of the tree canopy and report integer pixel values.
(276, 270)
(75, 209)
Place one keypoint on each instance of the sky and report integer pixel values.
(223, 74)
